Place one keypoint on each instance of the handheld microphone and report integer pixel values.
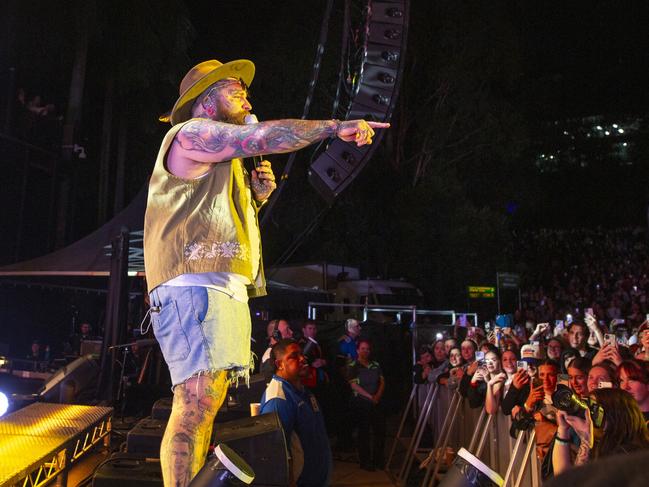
(250, 119)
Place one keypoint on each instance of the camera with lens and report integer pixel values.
(566, 400)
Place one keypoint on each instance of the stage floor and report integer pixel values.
(345, 474)
(348, 474)
(346, 470)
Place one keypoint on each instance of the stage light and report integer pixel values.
(4, 404)
(225, 468)
(620, 131)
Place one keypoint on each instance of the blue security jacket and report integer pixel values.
(300, 413)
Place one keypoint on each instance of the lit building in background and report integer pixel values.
(589, 141)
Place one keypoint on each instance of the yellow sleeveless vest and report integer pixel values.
(199, 225)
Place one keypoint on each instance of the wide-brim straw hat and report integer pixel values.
(200, 77)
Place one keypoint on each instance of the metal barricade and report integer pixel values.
(420, 427)
(519, 467)
(404, 417)
(437, 454)
(489, 432)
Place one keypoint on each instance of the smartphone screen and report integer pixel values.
(521, 365)
(479, 356)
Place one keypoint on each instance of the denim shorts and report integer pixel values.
(201, 330)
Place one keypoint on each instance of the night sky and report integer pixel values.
(558, 60)
(586, 58)
(579, 58)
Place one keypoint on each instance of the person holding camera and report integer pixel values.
(537, 403)
(623, 430)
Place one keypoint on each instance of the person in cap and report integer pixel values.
(202, 247)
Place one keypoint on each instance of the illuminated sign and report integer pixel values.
(476, 292)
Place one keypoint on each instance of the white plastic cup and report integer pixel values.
(255, 408)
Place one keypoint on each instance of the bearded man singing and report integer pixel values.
(202, 247)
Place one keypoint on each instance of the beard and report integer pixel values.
(227, 116)
(234, 118)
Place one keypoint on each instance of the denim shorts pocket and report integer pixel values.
(169, 331)
(200, 302)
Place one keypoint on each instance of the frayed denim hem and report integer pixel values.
(235, 373)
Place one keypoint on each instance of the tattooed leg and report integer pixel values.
(187, 437)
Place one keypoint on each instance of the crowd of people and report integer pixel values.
(569, 271)
(581, 383)
(583, 387)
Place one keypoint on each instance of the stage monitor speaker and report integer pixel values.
(162, 408)
(72, 382)
(146, 436)
(128, 470)
(259, 440)
(248, 393)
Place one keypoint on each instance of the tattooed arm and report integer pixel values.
(207, 141)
